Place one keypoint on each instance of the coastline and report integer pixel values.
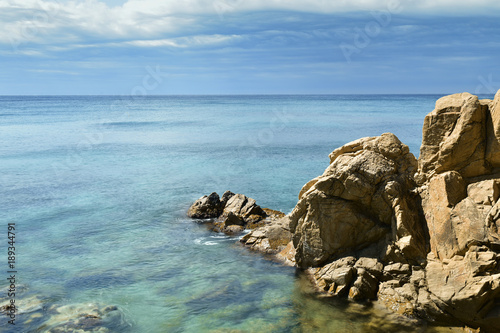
(399, 213)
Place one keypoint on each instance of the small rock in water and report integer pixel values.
(206, 207)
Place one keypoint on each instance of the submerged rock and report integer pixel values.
(85, 317)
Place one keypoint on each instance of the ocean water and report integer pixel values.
(98, 188)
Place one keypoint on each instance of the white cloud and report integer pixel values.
(156, 22)
(53, 71)
(200, 40)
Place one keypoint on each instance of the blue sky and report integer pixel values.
(249, 46)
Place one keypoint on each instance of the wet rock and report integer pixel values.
(23, 305)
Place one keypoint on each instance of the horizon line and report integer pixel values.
(202, 95)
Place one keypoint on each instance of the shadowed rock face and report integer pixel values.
(206, 207)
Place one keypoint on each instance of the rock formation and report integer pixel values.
(421, 237)
(361, 203)
(232, 213)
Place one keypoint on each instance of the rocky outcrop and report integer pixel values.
(420, 237)
(362, 203)
(273, 238)
(449, 132)
(206, 207)
(439, 249)
(231, 213)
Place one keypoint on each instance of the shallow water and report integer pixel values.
(98, 188)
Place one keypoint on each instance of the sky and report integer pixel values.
(163, 47)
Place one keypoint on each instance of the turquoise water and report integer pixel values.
(99, 186)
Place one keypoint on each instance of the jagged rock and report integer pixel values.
(372, 265)
(397, 271)
(337, 276)
(362, 197)
(484, 192)
(462, 288)
(365, 286)
(233, 212)
(454, 137)
(426, 233)
(206, 207)
(225, 197)
(401, 299)
(368, 196)
(243, 207)
(232, 219)
(274, 237)
(456, 220)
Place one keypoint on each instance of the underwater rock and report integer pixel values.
(85, 317)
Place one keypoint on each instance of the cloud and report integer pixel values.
(52, 71)
(54, 21)
(182, 42)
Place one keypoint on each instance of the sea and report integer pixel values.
(96, 189)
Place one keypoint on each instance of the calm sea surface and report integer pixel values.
(98, 188)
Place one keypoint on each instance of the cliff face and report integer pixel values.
(362, 200)
(420, 236)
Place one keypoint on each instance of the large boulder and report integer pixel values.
(273, 238)
(464, 289)
(454, 137)
(445, 191)
(362, 199)
(244, 207)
